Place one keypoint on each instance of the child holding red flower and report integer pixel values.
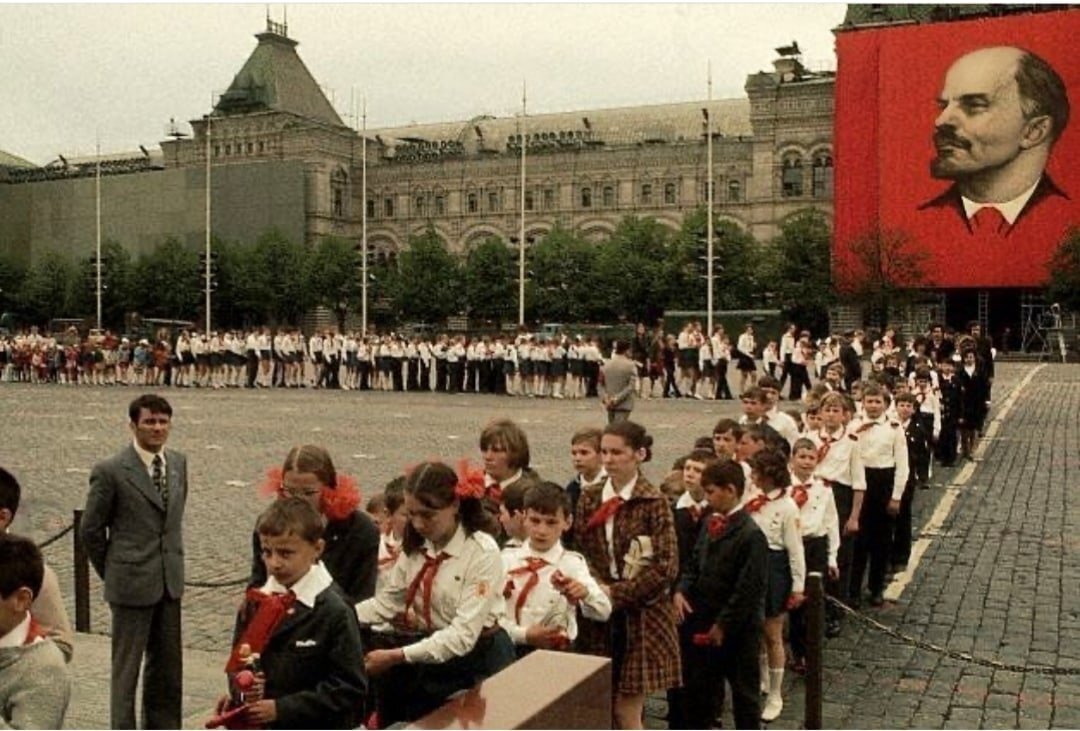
(720, 604)
(352, 540)
(443, 596)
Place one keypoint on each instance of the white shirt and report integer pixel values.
(783, 424)
(307, 589)
(843, 461)
(545, 605)
(778, 519)
(787, 345)
(389, 551)
(16, 637)
(606, 494)
(1009, 209)
(147, 459)
(818, 516)
(466, 596)
(687, 501)
(883, 445)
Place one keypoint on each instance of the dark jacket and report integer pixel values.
(727, 576)
(974, 391)
(351, 556)
(687, 531)
(314, 665)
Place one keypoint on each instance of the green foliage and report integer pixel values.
(12, 275)
(277, 268)
(167, 282)
(564, 278)
(739, 277)
(490, 280)
(46, 291)
(884, 271)
(331, 277)
(1064, 266)
(428, 285)
(632, 270)
(797, 267)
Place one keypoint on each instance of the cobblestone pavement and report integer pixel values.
(1000, 579)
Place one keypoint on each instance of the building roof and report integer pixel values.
(7, 160)
(656, 123)
(274, 78)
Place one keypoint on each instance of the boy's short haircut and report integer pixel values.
(547, 498)
(873, 388)
(768, 382)
(721, 474)
(590, 435)
(796, 415)
(803, 443)
(513, 495)
(727, 425)
(394, 494)
(813, 406)
(835, 367)
(508, 435)
(907, 398)
(151, 402)
(678, 464)
(10, 492)
(833, 398)
(754, 431)
(818, 391)
(922, 373)
(703, 456)
(703, 443)
(21, 565)
(753, 394)
(376, 503)
(291, 515)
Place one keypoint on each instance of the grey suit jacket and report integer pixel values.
(620, 374)
(134, 544)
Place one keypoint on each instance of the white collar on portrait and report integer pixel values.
(1009, 209)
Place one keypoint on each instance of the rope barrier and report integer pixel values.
(216, 584)
(954, 654)
(46, 543)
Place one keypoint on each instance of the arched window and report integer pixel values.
(528, 200)
(440, 205)
(822, 175)
(586, 197)
(473, 203)
(388, 207)
(609, 196)
(549, 199)
(493, 201)
(734, 191)
(669, 194)
(339, 185)
(646, 194)
(419, 207)
(791, 176)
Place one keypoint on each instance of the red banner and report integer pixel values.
(955, 165)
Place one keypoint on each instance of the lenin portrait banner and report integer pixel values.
(954, 139)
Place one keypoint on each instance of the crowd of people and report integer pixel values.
(377, 614)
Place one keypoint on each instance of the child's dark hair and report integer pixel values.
(633, 434)
(547, 498)
(376, 503)
(753, 394)
(768, 382)
(773, 466)
(703, 456)
(590, 435)
(922, 373)
(907, 398)
(394, 494)
(291, 515)
(21, 565)
(513, 495)
(872, 388)
(704, 442)
(433, 485)
(720, 474)
(314, 459)
(509, 436)
(728, 425)
(151, 402)
(10, 492)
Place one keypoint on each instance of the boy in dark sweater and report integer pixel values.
(720, 603)
(297, 633)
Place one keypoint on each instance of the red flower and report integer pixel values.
(336, 503)
(470, 484)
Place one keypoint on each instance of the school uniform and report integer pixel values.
(312, 658)
(820, 524)
(498, 368)
(447, 605)
(918, 436)
(688, 516)
(389, 550)
(974, 385)
(840, 468)
(725, 584)
(883, 449)
(947, 444)
(777, 515)
(426, 358)
(533, 599)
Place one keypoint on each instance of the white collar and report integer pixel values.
(313, 583)
(1009, 209)
(489, 480)
(601, 476)
(147, 458)
(453, 547)
(685, 501)
(17, 636)
(553, 555)
(624, 493)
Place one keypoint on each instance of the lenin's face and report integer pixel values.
(981, 125)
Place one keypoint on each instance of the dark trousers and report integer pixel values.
(670, 387)
(455, 375)
(365, 375)
(397, 376)
(592, 376)
(947, 442)
(498, 376)
(155, 632)
(252, 368)
(840, 589)
(901, 542)
(800, 379)
(785, 371)
(723, 390)
(700, 700)
(874, 541)
(817, 559)
(441, 371)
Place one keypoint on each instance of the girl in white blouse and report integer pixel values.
(443, 596)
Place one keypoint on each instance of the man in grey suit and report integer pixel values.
(619, 383)
(133, 532)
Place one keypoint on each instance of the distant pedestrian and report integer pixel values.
(619, 384)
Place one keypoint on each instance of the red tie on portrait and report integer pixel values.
(532, 567)
(607, 509)
(989, 221)
(424, 581)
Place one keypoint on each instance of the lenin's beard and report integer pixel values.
(945, 165)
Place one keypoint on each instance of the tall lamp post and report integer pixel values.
(206, 271)
(521, 231)
(709, 211)
(363, 223)
(97, 258)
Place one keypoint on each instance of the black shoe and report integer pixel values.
(833, 628)
(877, 599)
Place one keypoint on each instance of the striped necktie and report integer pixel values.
(160, 482)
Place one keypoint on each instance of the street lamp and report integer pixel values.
(206, 270)
(521, 232)
(709, 208)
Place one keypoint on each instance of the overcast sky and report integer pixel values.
(73, 72)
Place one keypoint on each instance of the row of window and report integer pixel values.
(239, 148)
(792, 177)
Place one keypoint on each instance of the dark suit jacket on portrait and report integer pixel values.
(134, 543)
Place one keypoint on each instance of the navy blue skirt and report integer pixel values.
(780, 583)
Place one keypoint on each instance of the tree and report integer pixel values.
(46, 291)
(564, 278)
(276, 270)
(880, 270)
(798, 269)
(13, 273)
(490, 280)
(331, 277)
(632, 268)
(117, 285)
(427, 286)
(1064, 267)
(168, 282)
(738, 279)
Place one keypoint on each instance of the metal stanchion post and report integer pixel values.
(82, 577)
(815, 648)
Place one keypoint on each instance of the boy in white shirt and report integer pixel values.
(546, 582)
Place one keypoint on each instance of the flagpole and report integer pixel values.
(521, 231)
(709, 217)
(97, 205)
